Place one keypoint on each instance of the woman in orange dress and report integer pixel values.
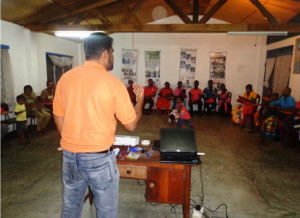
(165, 97)
(247, 106)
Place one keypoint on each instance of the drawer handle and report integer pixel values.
(151, 185)
(128, 171)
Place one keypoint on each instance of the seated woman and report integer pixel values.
(165, 97)
(246, 107)
(210, 95)
(224, 101)
(47, 95)
(33, 109)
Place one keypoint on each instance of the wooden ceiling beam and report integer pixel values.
(195, 11)
(132, 11)
(100, 16)
(295, 19)
(264, 11)
(171, 28)
(60, 6)
(79, 18)
(57, 15)
(178, 11)
(212, 11)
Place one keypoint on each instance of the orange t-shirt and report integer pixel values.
(150, 90)
(195, 94)
(89, 98)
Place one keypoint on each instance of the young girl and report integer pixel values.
(224, 101)
(184, 114)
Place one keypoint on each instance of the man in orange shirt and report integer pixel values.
(195, 97)
(87, 102)
(150, 92)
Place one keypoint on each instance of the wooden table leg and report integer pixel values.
(187, 191)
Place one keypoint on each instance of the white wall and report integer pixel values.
(294, 83)
(27, 52)
(245, 57)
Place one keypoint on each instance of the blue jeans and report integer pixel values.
(100, 172)
(188, 123)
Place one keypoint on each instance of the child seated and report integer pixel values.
(224, 101)
(21, 119)
(184, 114)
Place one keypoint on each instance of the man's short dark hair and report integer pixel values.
(19, 97)
(28, 87)
(95, 44)
(49, 81)
(288, 88)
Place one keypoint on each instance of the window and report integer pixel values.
(57, 65)
(7, 90)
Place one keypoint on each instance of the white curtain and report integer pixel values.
(282, 73)
(61, 61)
(269, 68)
(7, 87)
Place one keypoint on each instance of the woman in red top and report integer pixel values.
(184, 114)
(164, 101)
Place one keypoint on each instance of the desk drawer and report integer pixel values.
(136, 172)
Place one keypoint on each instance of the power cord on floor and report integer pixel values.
(199, 206)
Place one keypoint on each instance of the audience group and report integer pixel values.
(167, 99)
(275, 110)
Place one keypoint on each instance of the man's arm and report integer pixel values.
(59, 122)
(139, 92)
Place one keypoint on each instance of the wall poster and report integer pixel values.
(187, 67)
(152, 67)
(217, 67)
(129, 65)
(296, 59)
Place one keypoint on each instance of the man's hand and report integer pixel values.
(138, 91)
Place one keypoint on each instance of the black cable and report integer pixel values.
(202, 184)
(140, 183)
(202, 199)
(154, 204)
(218, 208)
(173, 208)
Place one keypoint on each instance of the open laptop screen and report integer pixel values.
(178, 140)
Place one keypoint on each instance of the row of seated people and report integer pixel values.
(275, 116)
(166, 96)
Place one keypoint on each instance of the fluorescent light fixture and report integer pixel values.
(74, 34)
(257, 33)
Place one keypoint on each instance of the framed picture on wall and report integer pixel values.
(296, 57)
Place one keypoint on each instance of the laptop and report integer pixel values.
(178, 146)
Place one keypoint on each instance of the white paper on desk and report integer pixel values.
(126, 140)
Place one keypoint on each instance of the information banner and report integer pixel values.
(129, 65)
(217, 67)
(187, 67)
(152, 67)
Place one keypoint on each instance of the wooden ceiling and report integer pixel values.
(133, 15)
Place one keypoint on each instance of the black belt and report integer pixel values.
(106, 151)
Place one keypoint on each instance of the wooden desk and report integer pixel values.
(165, 182)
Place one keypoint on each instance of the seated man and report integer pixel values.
(47, 95)
(131, 92)
(286, 104)
(150, 92)
(195, 98)
(210, 94)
